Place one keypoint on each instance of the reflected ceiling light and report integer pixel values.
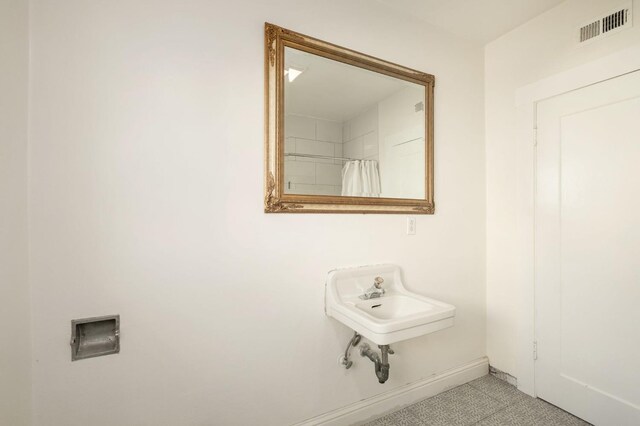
(292, 73)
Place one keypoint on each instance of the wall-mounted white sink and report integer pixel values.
(396, 315)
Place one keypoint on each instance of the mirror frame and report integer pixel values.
(275, 200)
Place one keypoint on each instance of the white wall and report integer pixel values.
(146, 192)
(540, 48)
(15, 351)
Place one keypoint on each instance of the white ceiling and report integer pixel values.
(336, 91)
(480, 21)
(333, 90)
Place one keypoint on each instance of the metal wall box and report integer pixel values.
(91, 337)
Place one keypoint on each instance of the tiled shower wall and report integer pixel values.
(356, 138)
(360, 136)
(304, 135)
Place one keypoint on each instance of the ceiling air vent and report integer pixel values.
(590, 31)
(616, 20)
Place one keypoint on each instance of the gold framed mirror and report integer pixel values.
(344, 132)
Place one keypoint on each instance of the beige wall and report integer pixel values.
(15, 354)
(146, 200)
(540, 48)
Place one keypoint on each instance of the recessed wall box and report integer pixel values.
(91, 337)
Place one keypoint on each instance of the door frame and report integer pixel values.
(526, 101)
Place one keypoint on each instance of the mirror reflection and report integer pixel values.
(350, 131)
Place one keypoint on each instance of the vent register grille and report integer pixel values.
(590, 31)
(615, 20)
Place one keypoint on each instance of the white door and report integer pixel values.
(588, 252)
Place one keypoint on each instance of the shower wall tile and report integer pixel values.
(354, 148)
(300, 172)
(356, 138)
(290, 145)
(333, 189)
(297, 179)
(364, 123)
(311, 136)
(360, 136)
(303, 189)
(312, 147)
(329, 131)
(328, 174)
(370, 146)
(346, 131)
(316, 189)
(299, 127)
(337, 152)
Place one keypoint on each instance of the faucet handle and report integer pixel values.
(377, 282)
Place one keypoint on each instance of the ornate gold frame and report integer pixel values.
(275, 200)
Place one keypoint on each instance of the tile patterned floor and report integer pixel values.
(487, 401)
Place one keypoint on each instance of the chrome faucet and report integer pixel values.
(375, 290)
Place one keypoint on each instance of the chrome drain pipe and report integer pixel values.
(381, 363)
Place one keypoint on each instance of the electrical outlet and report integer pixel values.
(411, 226)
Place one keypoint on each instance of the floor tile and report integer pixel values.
(399, 418)
(498, 389)
(487, 401)
(532, 412)
(460, 406)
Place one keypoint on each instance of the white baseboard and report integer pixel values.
(370, 408)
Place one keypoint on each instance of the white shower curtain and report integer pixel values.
(360, 178)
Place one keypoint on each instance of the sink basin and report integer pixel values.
(397, 315)
(394, 307)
